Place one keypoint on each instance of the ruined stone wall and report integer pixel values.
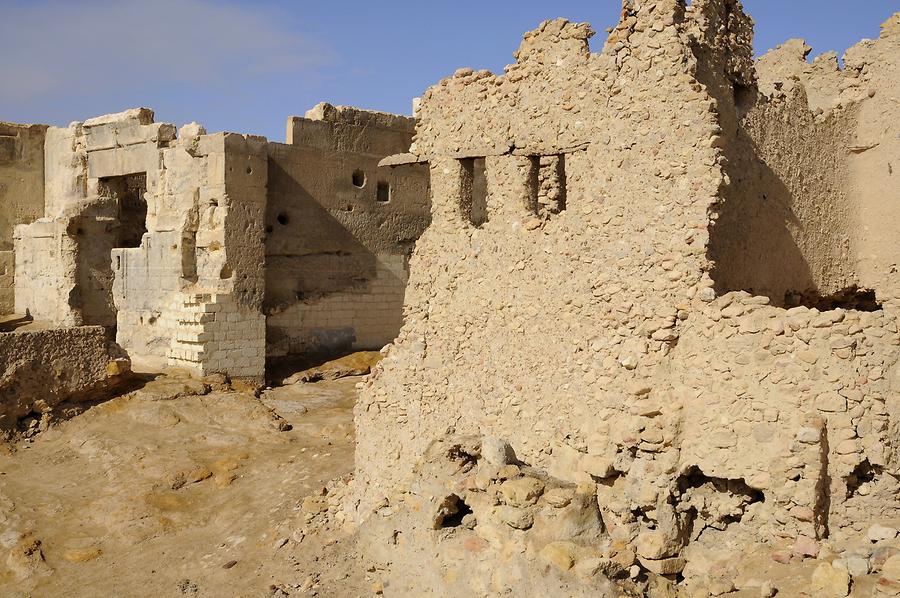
(785, 227)
(150, 278)
(45, 267)
(237, 342)
(810, 169)
(192, 291)
(590, 336)
(339, 230)
(21, 194)
(872, 78)
(165, 236)
(785, 68)
(65, 273)
(42, 368)
(786, 224)
(140, 224)
(638, 188)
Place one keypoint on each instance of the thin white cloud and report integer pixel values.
(97, 46)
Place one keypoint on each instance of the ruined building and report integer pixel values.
(211, 252)
(640, 303)
(655, 316)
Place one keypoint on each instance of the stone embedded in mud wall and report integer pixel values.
(478, 508)
(40, 369)
(618, 339)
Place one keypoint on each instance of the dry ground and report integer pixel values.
(177, 489)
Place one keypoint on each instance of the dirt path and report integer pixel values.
(173, 490)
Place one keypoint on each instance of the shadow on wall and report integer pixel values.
(785, 222)
(315, 260)
(752, 244)
(95, 232)
(309, 253)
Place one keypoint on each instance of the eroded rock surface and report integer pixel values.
(182, 487)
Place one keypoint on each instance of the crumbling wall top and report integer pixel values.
(137, 116)
(553, 40)
(724, 27)
(323, 111)
(891, 26)
(347, 129)
(556, 96)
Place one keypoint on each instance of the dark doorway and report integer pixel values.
(128, 191)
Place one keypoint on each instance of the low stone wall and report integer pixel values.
(43, 368)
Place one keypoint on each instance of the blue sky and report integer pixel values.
(247, 65)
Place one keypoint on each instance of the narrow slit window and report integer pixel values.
(551, 184)
(474, 191)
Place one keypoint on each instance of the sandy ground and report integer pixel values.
(178, 489)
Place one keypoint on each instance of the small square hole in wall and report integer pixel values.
(383, 192)
(358, 179)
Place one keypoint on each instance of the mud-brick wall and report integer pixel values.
(339, 230)
(21, 193)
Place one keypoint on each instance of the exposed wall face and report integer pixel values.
(149, 279)
(339, 231)
(785, 227)
(193, 290)
(589, 335)
(21, 193)
(45, 266)
(148, 233)
(810, 170)
(21, 177)
(872, 77)
(64, 269)
(40, 369)
(638, 187)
